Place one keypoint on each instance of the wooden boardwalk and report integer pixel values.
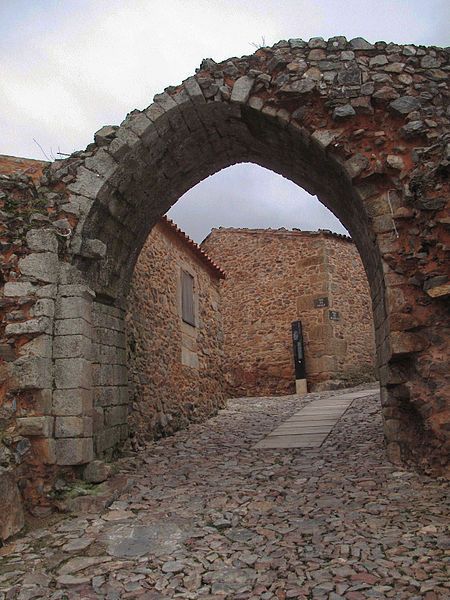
(310, 427)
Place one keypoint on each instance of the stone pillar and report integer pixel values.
(72, 354)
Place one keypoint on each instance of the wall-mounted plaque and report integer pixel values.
(321, 302)
(334, 315)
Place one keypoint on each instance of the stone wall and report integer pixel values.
(275, 277)
(175, 369)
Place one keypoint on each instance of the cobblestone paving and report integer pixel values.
(211, 517)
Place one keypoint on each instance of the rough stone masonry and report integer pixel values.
(363, 126)
(275, 277)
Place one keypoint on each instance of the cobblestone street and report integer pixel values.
(210, 516)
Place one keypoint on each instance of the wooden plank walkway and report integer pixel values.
(310, 427)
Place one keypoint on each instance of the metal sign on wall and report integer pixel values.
(299, 354)
(321, 302)
(334, 315)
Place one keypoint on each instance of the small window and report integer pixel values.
(187, 298)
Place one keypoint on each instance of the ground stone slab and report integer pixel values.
(126, 541)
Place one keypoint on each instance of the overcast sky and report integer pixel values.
(67, 67)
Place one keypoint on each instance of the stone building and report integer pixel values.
(174, 335)
(275, 277)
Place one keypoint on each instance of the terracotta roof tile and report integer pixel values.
(193, 246)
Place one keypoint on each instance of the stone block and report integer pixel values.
(77, 205)
(93, 248)
(97, 471)
(108, 438)
(44, 450)
(18, 288)
(105, 134)
(98, 419)
(109, 375)
(32, 326)
(324, 364)
(194, 91)
(241, 89)
(108, 320)
(35, 426)
(42, 240)
(102, 163)
(39, 346)
(110, 395)
(393, 453)
(87, 183)
(70, 275)
(405, 104)
(360, 43)
(72, 346)
(406, 343)
(115, 415)
(31, 373)
(324, 137)
(73, 327)
(189, 358)
(76, 289)
(110, 337)
(113, 311)
(73, 373)
(74, 307)
(43, 402)
(109, 354)
(11, 509)
(71, 427)
(42, 266)
(44, 307)
(355, 165)
(124, 431)
(46, 291)
(74, 451)
(141, 125)
(76, 402)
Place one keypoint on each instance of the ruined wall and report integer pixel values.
(175, 369)
(275, 277)
(27, 304)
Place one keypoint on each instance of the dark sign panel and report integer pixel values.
(334, 315)
(321, 302)
(299, 355)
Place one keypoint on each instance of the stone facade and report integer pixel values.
(175, 368)
(363, 126)
(275, 277)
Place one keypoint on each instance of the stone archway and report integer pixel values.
(361, 126)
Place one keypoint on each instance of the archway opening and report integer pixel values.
(179, 149)
(282, 266)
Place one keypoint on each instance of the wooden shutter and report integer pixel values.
(187, 298)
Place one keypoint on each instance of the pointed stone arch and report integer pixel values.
(364, 127)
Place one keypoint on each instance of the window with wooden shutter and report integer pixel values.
(187, 298)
